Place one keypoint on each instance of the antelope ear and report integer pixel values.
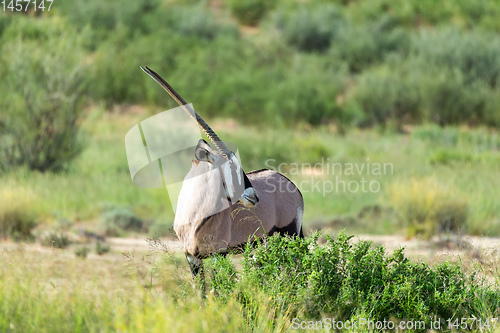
(203, 152)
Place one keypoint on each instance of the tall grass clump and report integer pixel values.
(97, 295)
(428, 207)
(466, 140)
(42, 93)
(17, 215)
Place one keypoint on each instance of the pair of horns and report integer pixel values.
(189, 110)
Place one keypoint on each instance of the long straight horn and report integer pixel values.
(189, 110)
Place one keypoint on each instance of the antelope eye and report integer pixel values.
(201, 154)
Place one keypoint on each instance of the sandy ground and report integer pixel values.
(454, 246)
(468, 249)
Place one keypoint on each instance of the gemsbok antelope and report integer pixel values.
(220, 207)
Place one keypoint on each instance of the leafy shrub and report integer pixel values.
(453, 84)
(347, 281)
(475, 54)
(428, 207)
(198, 21)
(115, 220)
(386, 94)
(116, 74)
(249, 12)
(450, 100)
(103, 18)
(57, 240)
(414, 14)
(310, 28)
(362, 45)
(82, 252)
(101, 248)
(17, 215)
(42, 89)
(308, 91)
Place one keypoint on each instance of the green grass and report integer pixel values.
(109, 294)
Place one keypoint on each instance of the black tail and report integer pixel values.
(301, 233)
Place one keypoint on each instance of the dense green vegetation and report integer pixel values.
(353, 63)
(348, 282)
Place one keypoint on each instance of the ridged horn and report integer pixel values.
(189, 110)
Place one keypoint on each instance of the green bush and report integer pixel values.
(101, 248)
(249, 12)
(104, 18)
(198, 21)
(82, 252)
(185, 60)
(54, 239)
(415, 14)
(476, 54)
(116, 220)
(455, 83)
(449, 99)
(386, 94)
(348, 281)
(310, 28)
(324, 62)
(362, 45)
(308, 91)
(42, 91)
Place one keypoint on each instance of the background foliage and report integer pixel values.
(302, 76)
